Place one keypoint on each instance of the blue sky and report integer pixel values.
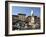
(25, 10)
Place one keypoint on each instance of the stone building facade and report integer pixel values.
(21, 22)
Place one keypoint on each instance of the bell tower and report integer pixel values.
(32, 20)
(32, 17)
